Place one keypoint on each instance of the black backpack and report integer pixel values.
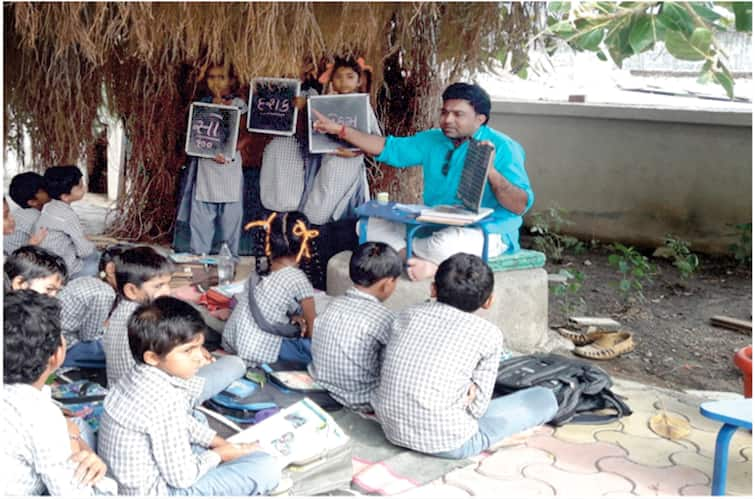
(580, 388)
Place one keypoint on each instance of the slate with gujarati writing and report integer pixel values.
(212, 129)
(272, 108)
(351, 110)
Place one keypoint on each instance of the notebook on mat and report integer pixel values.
(471, 188)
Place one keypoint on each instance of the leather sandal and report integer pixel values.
(581, 338)
(608, 346)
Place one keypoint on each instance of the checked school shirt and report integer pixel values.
(25, 219)
(36, 445)
(65, 236)
(147, 430)
(434, 353)
(85, 305)
(118, 357)
(347, 345)
(278, 294)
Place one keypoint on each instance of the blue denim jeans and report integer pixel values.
(296, 350)
(221, 373)
(506, 416)
(254, 474)
(87, 354)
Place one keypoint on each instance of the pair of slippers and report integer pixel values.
(599, 344)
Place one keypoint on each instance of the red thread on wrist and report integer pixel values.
(342, 132)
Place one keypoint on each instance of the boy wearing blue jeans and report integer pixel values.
(440, 367)
(148, 435)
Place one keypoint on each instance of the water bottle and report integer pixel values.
(225, 264)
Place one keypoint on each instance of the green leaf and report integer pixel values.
(676, 18)
(522, 73)
(623, 266)
(701, 39)
(641, 34)
(743, 16)
(703, 11)
(725, 81)
(613, 260)
(559, 7)
(625, 285)
(590, 40)
(601, 55)
(681, 48)
(563, 29)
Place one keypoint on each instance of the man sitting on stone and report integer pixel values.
(441, 153)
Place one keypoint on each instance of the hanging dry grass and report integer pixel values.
(142, 62)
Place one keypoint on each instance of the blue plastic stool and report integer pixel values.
(733, 414)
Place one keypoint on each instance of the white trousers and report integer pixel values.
(437, 247)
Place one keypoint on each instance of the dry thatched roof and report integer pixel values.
(63, 59)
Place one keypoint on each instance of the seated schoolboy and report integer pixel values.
(35, 268)
(440, 366)
(28, 192)
(41, 454)
(65, 236)
(86, 303)
(141, 275)
(278, 297)
(349, 337)
(147, 430)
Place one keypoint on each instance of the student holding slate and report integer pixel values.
(218, 188)
(441, 152)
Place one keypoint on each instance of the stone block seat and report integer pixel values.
(520, 307)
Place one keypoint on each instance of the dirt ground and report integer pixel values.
(676, 346)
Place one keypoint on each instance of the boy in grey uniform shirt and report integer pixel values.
(349, 337)
(440, 367)
(28, 192)
(65, 184)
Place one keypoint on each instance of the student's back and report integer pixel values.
(349, 337)
(278, 295)
(429, 361)
(86, 303)
(65, 235)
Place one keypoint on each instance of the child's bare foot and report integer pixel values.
(419, 269)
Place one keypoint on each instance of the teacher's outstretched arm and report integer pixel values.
(370, 144)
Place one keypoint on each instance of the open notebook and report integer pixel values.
(299, 434)
(471, 188)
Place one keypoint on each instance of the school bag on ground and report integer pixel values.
(82, 399)
(583, 391)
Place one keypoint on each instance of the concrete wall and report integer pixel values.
(634, 174)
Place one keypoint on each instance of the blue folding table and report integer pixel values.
(406, 215)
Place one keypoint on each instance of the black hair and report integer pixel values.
(138, 265)
(31, 335)
(283, 240)
(110, 253)
(477, 97)
(34, 262)
(60, 180)
(352, 63)
(162, 325)
(372, 262)
(24, 187)
(464, 281)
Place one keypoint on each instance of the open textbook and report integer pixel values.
(299, 434)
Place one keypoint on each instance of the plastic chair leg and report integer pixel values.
(721, 461)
